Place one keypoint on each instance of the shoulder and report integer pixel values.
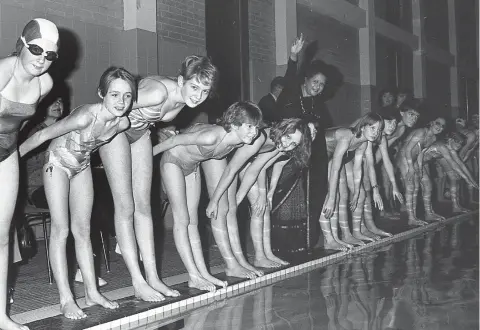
(154, 87)
(82, 115)
(46, 83)
(6, 70)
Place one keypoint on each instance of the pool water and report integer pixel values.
(426, 282)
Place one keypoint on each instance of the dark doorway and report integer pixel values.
(226, 24)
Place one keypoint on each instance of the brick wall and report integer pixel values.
(261, 30)
(180, 32)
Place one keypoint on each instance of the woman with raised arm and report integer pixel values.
(206, 145)
(24, 81)
(68, 180)
(290, 139)
(406, 162)
(343, 146)
(129, 156)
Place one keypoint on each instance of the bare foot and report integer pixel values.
(365, 231)
(359, 235)
(7, 324)
(241, 272)
(434, 217)
(350, 239)
(158, 285)
(277, 259)
(416, 222)
(334, 245)
(147, 293)
(71, 310)
(215, 280)
(95, 298)
(378, 232)
(200, 283)
(266, 263)
(257, 271)
(460, 209)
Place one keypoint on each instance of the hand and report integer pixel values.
(329, 207)
(473, 184)
(260, 204)
(377, 199)
(354, 201)
(297, 45)
(397, 195)
(212, 210)
(313, 130)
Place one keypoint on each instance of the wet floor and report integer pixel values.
(426, 282)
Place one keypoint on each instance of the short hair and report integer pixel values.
(412, 104)
(315, 67)
(277, 81)
(389, 113)
(387, 90)
(370, 118)
(202, 68)
(239, 113)
(456, 136)
(301, 154)
(113, 73)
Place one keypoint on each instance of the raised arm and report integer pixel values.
(253, 171)
(241, 156)
(77, 120)
(202, 137)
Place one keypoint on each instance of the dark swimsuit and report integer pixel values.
(193, 155)
(12, 114)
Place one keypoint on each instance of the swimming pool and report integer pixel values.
(425, 282)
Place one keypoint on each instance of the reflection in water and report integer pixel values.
(427, 282)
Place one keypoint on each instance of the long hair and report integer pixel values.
(370, 118)
(301, 154)
(239, 113)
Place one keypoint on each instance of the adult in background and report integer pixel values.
(300, 99)
(268, 103)
(23, 83)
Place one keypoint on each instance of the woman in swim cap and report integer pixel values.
(23, 83)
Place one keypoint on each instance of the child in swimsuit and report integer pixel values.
(206, 145)
(68, 180)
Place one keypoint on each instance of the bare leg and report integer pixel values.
(57, 190)
(213, 170)
(454, 179)
(257, 231)
(9, 179)
(368, 227)
(184, 194)
(233, 232)
(117, 161)
(142, 162)
(341, 210)
(81, 203)
(267, 242)
(430, 215)
(410, 195)
(330, 231)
